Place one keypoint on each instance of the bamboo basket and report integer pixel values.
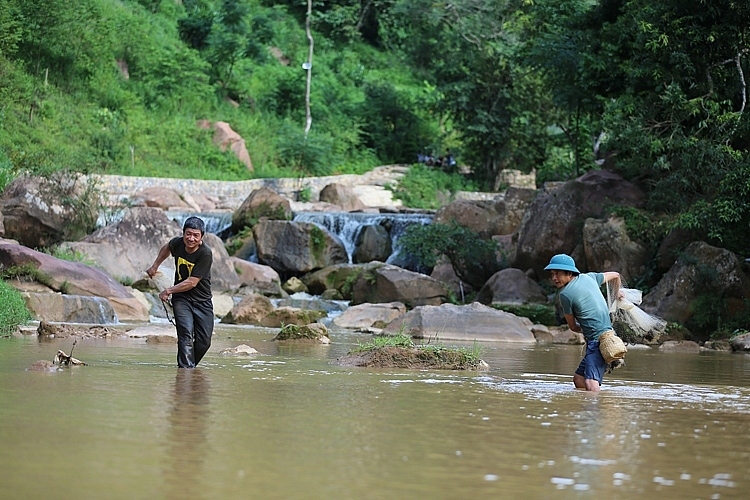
(611, 346)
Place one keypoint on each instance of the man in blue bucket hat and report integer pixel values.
(585, 311)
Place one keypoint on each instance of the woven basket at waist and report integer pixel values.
(611, 346)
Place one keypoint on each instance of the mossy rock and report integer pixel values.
(414, 358)
(315, 333)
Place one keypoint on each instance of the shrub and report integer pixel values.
(473, 259)
(14, 311)
(425, 187)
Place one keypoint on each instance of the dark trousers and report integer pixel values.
(195, 324)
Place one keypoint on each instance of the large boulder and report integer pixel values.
(335, 277)
(162, 197)
(343, 196)
(125, 249)
(263, 203)
(511, 286)
(553, 222)
(608, 248)
(226, 138)
(75, 278)
(444, 272)
(702, 269)
(38, 213)
(510, 209)
(250, 311)
(387, 283)
(373, 243)
(369, 315)
(470, 322)
(294, 248)
(476, 215)
(263, 279)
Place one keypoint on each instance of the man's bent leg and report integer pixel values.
(183, 318)
(203, 315)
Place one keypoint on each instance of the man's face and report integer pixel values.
(192, 238)
(561, 278)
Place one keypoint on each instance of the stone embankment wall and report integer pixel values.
(370, 187)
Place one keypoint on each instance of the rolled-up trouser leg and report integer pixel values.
(203, 321)
(183, 318)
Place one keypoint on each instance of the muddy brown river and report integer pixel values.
(287, 424)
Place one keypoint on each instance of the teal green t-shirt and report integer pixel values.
(583, 299)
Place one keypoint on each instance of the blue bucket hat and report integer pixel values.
(562, 262)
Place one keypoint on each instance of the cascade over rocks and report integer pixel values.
(343, 196)
(552, 224)
(608, 248)
(511, 286)
(470, 322)
(294, 248)
(79, 279)
(263, 203)
(703, 269)
(388, 283)
(70, 308)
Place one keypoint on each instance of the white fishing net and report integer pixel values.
(623, 306)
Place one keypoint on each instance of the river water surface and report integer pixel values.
(287, 424)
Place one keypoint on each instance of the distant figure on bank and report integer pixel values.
(585, 311)
(191, 293)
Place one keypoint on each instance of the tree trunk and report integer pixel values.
(308, 120)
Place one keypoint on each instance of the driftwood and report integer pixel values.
(63, 359)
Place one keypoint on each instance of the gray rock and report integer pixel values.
(552, 223)
(369, 315)
(387, 283)
(680, 346)
(511, 286)
(608, 248)
(75, 278)
(373, 243)
(297, 248)
(470, 322)
(671, 297)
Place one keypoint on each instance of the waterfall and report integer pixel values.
(216, 222)
(347, 226)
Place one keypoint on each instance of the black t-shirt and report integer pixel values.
(197, 264)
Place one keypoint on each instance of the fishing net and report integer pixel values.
(623, 306)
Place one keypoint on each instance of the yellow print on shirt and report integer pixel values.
(188, 265)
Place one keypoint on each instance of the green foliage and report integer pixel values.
(398, 340)
(426, 187)
(317, 240)
(14, 312)
(473, 259)
(537, 313)
(28, 271)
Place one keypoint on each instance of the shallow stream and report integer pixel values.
(287, 424)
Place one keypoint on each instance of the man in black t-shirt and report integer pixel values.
(191, 293)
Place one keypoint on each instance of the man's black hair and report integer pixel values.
(195, 223)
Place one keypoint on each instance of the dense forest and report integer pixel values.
(656, 91)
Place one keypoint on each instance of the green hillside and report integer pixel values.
(656, 91)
